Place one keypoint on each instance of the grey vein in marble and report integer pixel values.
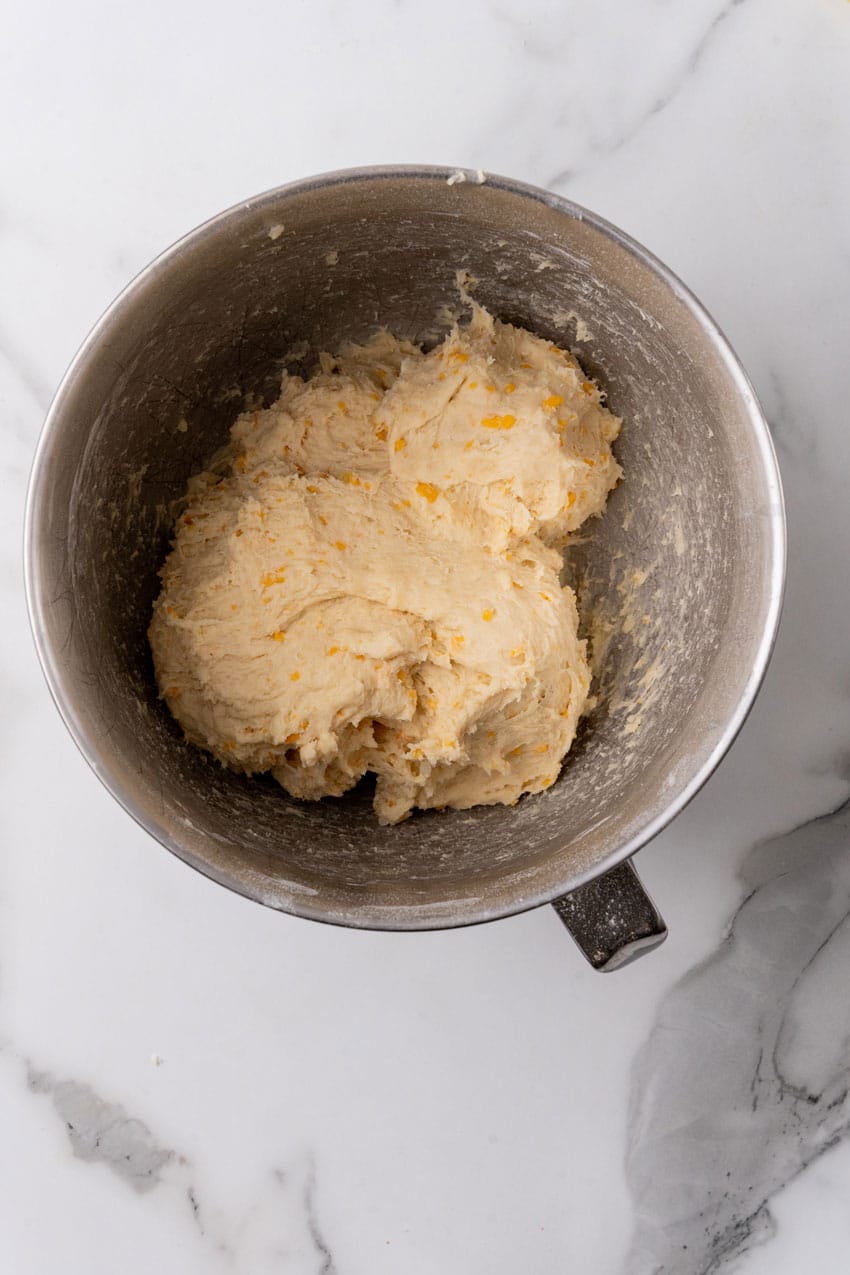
(744, 1079)
(20, 367)
(689, 66)
(283, 1214)
(100, 1130)
(315, 1231)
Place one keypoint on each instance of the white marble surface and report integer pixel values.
(190, 1083)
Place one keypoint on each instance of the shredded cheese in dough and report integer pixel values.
(373, 585)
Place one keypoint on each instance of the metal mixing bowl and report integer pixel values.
(683, 574)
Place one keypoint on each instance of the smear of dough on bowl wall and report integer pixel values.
(367, 579)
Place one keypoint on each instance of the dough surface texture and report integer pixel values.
(368, 577)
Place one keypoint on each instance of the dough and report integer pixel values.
(370, 579)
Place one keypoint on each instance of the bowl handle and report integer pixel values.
(612, 918)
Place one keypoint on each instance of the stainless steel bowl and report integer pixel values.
(684, 571)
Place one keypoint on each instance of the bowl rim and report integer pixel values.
(386, 917)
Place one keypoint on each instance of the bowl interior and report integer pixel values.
(676, 581)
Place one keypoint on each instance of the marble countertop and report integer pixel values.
(191, 1083)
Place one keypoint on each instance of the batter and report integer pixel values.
(374, 583)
